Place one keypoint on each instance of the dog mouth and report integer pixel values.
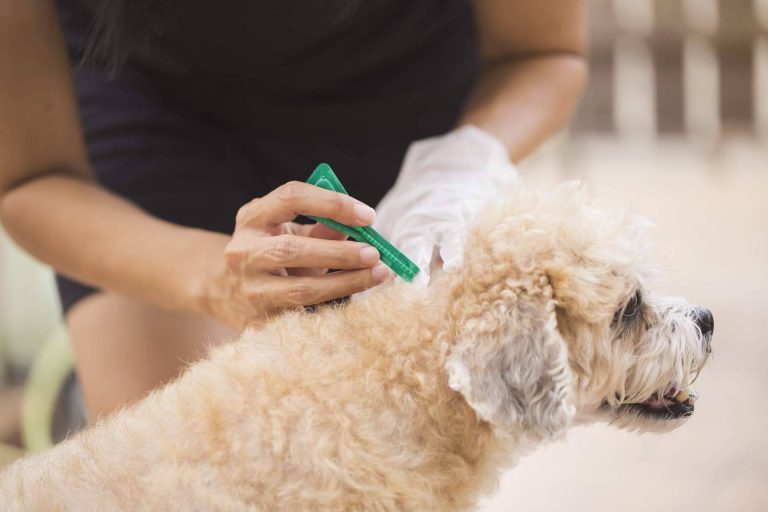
(672, 404)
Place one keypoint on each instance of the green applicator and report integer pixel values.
(324, 177)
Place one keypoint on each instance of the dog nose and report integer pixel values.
(706, 323)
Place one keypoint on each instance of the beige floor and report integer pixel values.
(711, 208)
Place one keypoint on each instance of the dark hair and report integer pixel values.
(119, 24)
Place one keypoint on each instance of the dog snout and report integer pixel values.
(706, 324)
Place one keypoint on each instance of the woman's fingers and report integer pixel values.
(287, 292)
(267, 248)
(316, 230)
(293, 251)
(322, 231)
(295, 198)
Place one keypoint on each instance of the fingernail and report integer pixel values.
(369, 255)
(364, 213)
(380, 272)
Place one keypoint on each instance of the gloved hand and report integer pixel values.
(442, 185)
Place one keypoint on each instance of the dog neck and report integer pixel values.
(407, 326)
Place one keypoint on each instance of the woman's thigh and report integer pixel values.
(124, 349)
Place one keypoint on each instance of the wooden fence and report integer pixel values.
(698, 68)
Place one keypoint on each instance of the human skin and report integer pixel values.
(173, 289)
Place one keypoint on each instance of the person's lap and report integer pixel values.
(125, 348)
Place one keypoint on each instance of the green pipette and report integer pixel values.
(324, 177)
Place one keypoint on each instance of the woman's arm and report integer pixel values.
(49, 201)
(52, 206)
(534, 69)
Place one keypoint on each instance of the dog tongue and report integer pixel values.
(657, 401)
(666, 399)
(669, 397)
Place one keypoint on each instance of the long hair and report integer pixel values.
(119, 24)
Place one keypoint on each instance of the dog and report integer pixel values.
(410, 398)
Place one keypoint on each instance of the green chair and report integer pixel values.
(32, 335)
(47, 377)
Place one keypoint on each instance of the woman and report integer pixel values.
(188, 112)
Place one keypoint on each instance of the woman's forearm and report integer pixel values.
(90, 234)
(524, 100)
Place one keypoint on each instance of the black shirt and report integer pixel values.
(301, 83)
(236, 97)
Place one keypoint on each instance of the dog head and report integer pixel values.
(554, 320)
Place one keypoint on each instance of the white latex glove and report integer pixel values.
(442, 185)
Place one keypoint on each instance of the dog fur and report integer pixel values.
(407, 398)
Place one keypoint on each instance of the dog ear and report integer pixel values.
(511, 365)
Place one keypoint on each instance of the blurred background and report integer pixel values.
(674, 125)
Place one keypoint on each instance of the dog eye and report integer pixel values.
(632, 307)
(629, 311)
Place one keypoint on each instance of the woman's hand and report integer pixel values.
(272, 264)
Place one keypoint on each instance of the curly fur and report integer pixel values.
(406, 399)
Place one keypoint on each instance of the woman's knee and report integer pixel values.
(124, 349)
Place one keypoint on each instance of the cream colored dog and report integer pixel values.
(408, 398)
